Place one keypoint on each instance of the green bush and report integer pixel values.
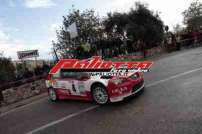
(7, 70)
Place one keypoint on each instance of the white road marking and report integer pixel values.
(173, 77)
(62, 119)
(21, 107)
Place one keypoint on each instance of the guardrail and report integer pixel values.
(197, 39)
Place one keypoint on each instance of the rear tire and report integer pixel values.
(52, 95)
(99, 94)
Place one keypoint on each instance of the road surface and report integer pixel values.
(170, 104)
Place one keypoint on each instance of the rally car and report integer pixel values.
(102, 89)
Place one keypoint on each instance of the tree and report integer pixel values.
(88, 31)
(115, 24)
(7, 70)
(140, 24)
(144, 27)
(193, 15)
(20, 68)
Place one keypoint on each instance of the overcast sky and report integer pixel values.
(31, 24)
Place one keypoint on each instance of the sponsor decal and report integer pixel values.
(97, 66)
(27, 54)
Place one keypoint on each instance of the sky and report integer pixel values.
(31, 24)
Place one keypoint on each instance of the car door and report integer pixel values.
(73, 82)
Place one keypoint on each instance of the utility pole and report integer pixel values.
(56, 56)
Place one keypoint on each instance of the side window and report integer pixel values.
(67, 74)
(56, 75)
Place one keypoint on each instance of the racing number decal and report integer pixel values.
(73, 87)
(77, 88)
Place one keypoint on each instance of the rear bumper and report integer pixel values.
(122, 97)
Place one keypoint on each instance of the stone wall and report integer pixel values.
(24, 91)
(138, 55)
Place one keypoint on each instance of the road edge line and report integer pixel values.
(173, 77)
(62, 119)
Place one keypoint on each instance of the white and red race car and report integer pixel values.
(101, 89)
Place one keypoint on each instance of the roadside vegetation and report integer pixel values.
(12, 75)
(117, 34)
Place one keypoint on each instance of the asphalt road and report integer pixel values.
(170, 104)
